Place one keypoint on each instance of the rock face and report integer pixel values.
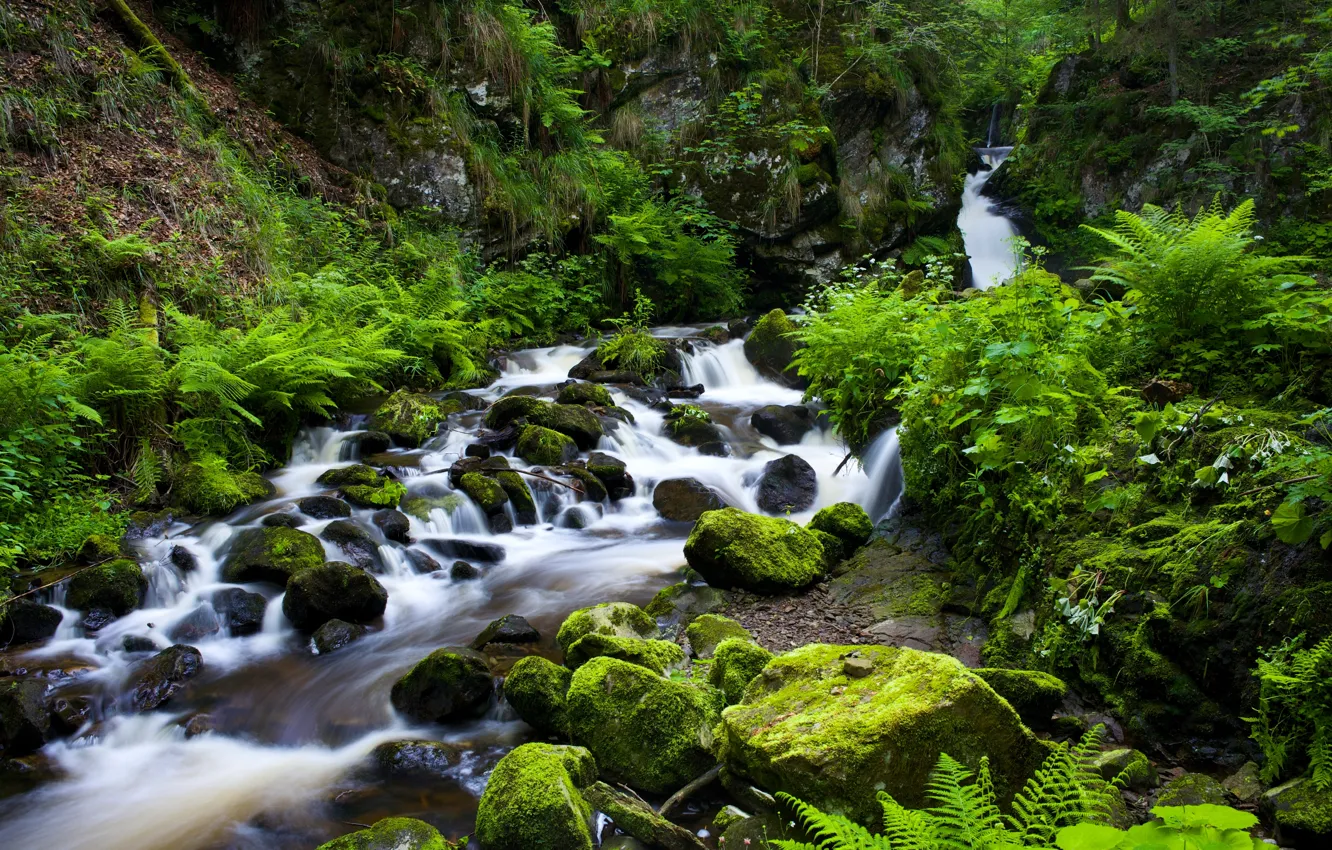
(25, 722)
(731, 548)
(520, 496)
(585, 393)
(391, 834)
(685, 499)
(411, 419)
(532, 801)
(645, 730)
(157, 679)
(572, 420)
(616, 619)
(448, 685)
(115, 587)
(333, 591)
(786, 424)
(271, 555)
(831, 737)
(771, 350)
(788, 484)
(25, 621)
(538, 688)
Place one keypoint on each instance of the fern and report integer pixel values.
(1295, 710)
(147, 473)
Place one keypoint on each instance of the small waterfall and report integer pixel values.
(987, 236)
(884, 486)
(996, 115)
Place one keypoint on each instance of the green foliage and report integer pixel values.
(1293, 724)
(1174, 828)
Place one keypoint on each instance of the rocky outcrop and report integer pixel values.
(731, 548)
(786, 424)
(847, 523)
(771, 348)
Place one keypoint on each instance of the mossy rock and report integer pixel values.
(1034, 695)
(771, 350)
(25, 719)
(593, 488)
(731, 548)
(333, 591)
(446, 686)
(421, 506)
(510, 409)
(1302, 814)
(272, 555)
(392, 834)
(833, 549)
(346, 476)
(116, 586)
(544, 447)
(1192, 789)
(572, 420)
(1130, 766)
(645, 730)
(585, 393)
(847, 522)
(532, 800)
(97, 549)
(410, 418)
(832, 725)
(735, 663)
(691, 425)
(617, 619)
(707, 632)
(655, 655)
(210, 489)
(520, 496)
(680, 603)
(387, 494)
(488, 494)
(538, 688)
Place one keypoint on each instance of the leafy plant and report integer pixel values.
(1293, 725)
(1175, 828)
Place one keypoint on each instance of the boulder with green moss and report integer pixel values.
(537, 689)
(510, 409)
(680, 603)
(209, 488)
(771, 349)
(655, 655)
(1131, 767)
(544, 447)
(691, 425)
(420, 506)
(1034, 695)
(97, 549)
(364, 486)
(735, 663)
(707, 632)
(731, 548)
(532, 800)
(333, 591)
(847, 522)
(271, 555)
(638, 819)
(448, 685)
(116, 586)
(572, 420)
(520, 496)
(832, 725)
(618, 619)
(1302, 814)
(1192, 789)
(488, 494)
(580, 392)
(613, 474)
(645, 730)
(392, 834)
(410, 418)
(590, 485)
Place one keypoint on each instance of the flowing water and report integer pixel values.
(284, 765)
(987, 235)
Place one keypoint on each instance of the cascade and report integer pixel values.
(987, 235)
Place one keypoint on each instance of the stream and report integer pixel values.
(283, 764)
(987, 236)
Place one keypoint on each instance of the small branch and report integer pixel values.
(572, 487)
(1302, 478)
(689, 790)
(844, 462)
(151, 46)
(1192, 426)
(54, 583)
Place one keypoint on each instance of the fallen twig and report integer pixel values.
(689, 790)
(1278, 484)
(1192, 425)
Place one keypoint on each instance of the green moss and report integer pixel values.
(545, 447)
(655, 655)
(769, 347)
(519, 494)
(572, 420)
(682, 602)
(358, 475)
(421, 506)
(1299, 808)
(386, 495)
(1192, 789)
(209, 488)
(834, 551)
(707, 632)
(115, 586)
(449, 684)
(731, 548)
(1129, 767)
(272, 555)
(392, 834)
(99, 548)
(486, 492)
(847, 522)
(410, 418)
(585, 393)
(646, 731)
(619, 619)
(532, 802)
(735, 663)
(510, 409)
(1034, 695)
(537, 689)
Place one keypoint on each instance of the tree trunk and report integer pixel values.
(1123, 19)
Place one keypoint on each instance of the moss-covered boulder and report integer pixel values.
(520, 496)
(691, 425)
(619, 619)
(735, 663)
(25, 721)
(333, 591)
(680, 603)
(347, 476)
(847, 522)
(334, 635)
(731, 548)
(832, 725)
(655, 655)
(510, 409)
(446, 686)
(707, 632)
(538, 688)
(545, 447)
(645, 730)
(584, 393)
(1192, 789)
(1131, 767)
(1302, 814)
(209, 488)
(486, 492)
(613, 473)
(572, 420)
(97, 549)
(770, 348)
(532, 800)
(685, 499)
(1034, 695)
(420, 505)
(392, 834)
(116, 586)
(271, 555)
(410, 418)
(156, 680)
(364, 486)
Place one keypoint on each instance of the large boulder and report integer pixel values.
(510, 409)
(333, 591)
(157, 679)
(787, 424)
(391, 834)
(847, 522)
(271, 555)
(364, 486)
(1302, 814)
(707, 632)
(655, 655)
(544, 447)
(448, 685)
(116, 586)
(537, 688)
(584, 393)
(788, 485)
(612, 473)
(685, 499)
(324, 507)
(770, 348)
(735, 663)
(731, 548)
(833, 725)
(410, 418)
(680, 603)
(25, 621)
(25, 722)
(690, 425)
(572, 420)
(645, 730)
(1034, 695)
(211, 489)
(520, 496)
(532, 800)
(617, 619)
(1192, 789)
(487, 493)
(358, 547)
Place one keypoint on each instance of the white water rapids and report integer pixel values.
(291, 730)
(988, 237)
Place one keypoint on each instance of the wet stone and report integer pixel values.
(282, 520)
(421, 562)
(510, 628)
(415, 759)
(97, 619)
(334, 635)
(355, 542)
(463, 571)
(71, 712)
(138, 643)
(25, 722)
(183, 559)
(486, 553)
(25, 621)
(324, 507)
(242, 610)
(198, 624)
(157, 679)
(394, 525)
(478, 450)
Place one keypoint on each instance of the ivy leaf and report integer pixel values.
(1291, 524)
